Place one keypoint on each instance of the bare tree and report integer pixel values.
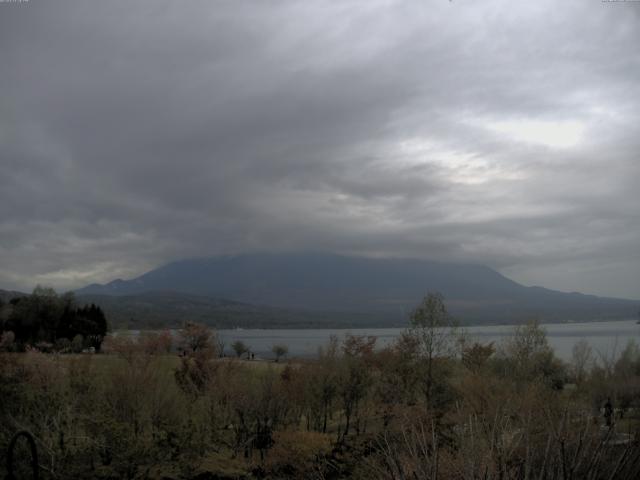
(195, 337)
(435, 332)
(581, 360)
(239, 347)
(279, 351)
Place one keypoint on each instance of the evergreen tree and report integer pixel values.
(45, 316)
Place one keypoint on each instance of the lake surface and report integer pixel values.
(606, 338)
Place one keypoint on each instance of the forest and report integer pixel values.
(433, 405)
(50, 322)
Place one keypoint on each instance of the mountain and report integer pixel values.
(7, 295)
(384, 288)
(170, 309)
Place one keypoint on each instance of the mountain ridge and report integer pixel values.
(163, 309)
(382, 287)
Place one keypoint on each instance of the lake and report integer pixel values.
(606, 338)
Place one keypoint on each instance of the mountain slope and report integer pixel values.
(171, 309)
(381, 287)
(7, 295)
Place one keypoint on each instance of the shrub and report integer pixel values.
(63, 345)
(295, 454)
(77, 343)
(8, 342)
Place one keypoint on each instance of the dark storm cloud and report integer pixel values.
(133, 133)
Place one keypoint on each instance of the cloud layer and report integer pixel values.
(498, 132)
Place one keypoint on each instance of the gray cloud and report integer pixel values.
(134, 133)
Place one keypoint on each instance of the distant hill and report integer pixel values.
(7, 295)
(348, 287)
(171, 309)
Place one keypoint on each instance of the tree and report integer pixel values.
(355, 377)
(434, 331)
(198, 347)
(239, 347)
(359, 345)
(156, 343)
(44, 316)
(399, 375)
(581, 360)
(527, 356)
(36, 317)
(321, 385)
(195, 337)
(476, 356)
(279, 351)
(628, 364)
(2, 314)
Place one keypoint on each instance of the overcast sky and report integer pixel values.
(137, 132)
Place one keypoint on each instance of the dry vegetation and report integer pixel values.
(430, 406)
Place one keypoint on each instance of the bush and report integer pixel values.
(8, 342)
(44, 347)
(62, 345)
(295, 454)
(77, 344)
